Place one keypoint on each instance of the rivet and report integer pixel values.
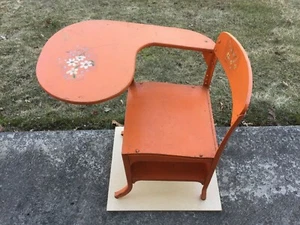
(200, 156)
(137, 151)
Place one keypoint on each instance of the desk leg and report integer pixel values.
(124, 191)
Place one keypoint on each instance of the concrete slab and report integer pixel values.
(62, 178)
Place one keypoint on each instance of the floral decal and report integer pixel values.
(76, 63)
(231, 56)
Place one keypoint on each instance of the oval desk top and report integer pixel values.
(93, 61)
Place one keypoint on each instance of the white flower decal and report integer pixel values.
(77, 63)
(72, 62)
(73, 71)
(80, 58)
(86, 64)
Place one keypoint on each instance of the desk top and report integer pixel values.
(93, 61)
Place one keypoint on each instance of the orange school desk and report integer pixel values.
(93, 61)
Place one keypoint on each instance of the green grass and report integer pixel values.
(268, 29)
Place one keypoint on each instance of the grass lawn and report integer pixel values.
(268, 29)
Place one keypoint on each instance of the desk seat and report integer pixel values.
(169, 119)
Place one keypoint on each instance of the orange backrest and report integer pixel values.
(236, 65)
(234, 60)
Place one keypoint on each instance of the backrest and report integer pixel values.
(236, 65)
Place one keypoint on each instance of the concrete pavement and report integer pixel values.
(61, 177)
